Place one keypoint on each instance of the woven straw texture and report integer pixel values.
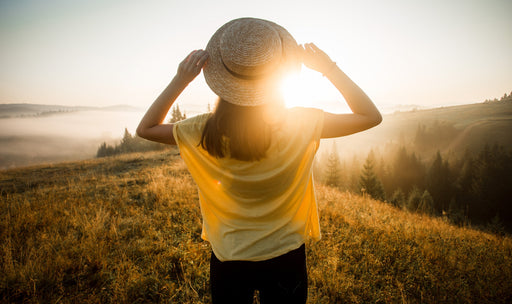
(247, 58)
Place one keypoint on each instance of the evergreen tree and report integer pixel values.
(407, 171)
(368, 180)
(127, 143)
(105, 150)
(463, 194)
(456, 213)
(176, 114)
(333, 168)
(352, 174)
(414, 199)
(496, 225)
(439, 183)
(426, 204)
(398, 198)
(101, 152)
(491, 185)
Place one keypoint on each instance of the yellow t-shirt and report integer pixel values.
(257, 210)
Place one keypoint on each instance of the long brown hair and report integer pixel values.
(238, 132)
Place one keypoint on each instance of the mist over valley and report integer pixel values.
(35, 134)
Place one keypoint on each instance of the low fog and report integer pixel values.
(61, 136)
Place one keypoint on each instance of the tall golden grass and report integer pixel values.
(127, 230)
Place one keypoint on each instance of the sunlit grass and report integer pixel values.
(374, 253)
(127, 230)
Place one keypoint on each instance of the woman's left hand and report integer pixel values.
(192, 65)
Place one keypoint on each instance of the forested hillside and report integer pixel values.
(452, 162)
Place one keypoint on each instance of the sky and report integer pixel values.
(400, 52)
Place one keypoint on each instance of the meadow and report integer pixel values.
(126, 229)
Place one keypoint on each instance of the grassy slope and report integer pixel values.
(127, 230)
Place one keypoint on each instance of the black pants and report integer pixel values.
(283, 279)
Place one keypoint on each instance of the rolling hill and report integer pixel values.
(470, 127)
(127, 230)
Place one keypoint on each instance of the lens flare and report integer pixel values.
(310, 89)
(307, 89)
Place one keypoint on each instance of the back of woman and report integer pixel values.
(252, 158)
(256, 210)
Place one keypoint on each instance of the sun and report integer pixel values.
(309, 89)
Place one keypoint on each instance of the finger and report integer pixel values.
(190, 56)
(200, 54)
(199, 58)
(203, 59)
(314, 49)
(195, 56)
(311, 48)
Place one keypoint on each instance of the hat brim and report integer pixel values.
(248, 92)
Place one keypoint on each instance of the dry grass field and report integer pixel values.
(127, 230)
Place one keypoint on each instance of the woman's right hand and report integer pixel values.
(191, 66)
(152, 126)
(316, 59)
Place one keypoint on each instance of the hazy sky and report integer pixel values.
(92, 52)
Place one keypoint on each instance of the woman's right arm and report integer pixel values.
(365, 114)
(152, 126)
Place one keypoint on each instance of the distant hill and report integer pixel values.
(127, 230)
(470, 126)
(26, 109)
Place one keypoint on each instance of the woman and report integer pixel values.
(252, 158)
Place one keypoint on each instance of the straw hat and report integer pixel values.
(247, 56)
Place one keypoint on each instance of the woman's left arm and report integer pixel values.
(152, 126)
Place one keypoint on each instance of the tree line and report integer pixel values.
(474, 188)
(129, 144)
(504, 98)
(133, 143)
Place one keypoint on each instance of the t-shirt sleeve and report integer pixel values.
(309, 122)
(188, 132)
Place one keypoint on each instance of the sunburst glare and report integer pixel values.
(311, 89)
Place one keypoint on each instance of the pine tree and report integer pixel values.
(176, 114)
(333, 168)
(414, 199)
(491, 185)
(102, 150)
(105, 150)
(398, 198)
(456, 214)
(426, 204)
(439, 183)
(369, 181)
(407, 171)
(127, 143)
